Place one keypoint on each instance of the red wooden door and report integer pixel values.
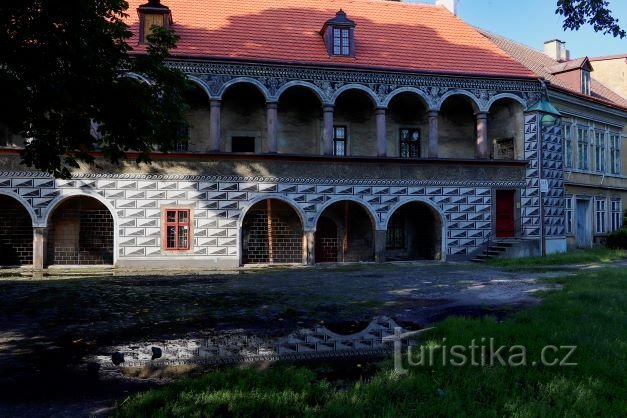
(505, 213)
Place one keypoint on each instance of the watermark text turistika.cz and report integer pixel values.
(482, 352)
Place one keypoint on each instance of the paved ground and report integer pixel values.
(48, 326)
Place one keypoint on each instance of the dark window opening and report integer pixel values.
(395, 237)
(410, 143)
(182, 144)
(243, 144)
(339, 140)
(177, 236)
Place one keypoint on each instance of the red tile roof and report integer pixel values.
(388, 34)
(609, 57)
(543, 65)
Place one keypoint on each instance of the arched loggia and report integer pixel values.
(16, 233)
(344, 232)
(80, 232)
(414, 232)
(272, 233)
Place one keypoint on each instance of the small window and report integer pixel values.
(616, 214)
(614, 153)
(182, 145)
(599, 151)
(568, 146)
(600, 215)
(409, 143)
(341, 41)
(583, 143)
(585, 82)
(569, 214)
(339, 140)
(243, 144)
(177, 229)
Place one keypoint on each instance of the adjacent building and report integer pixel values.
(594, 136)
(323, 131)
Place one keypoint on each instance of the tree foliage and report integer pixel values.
(592, 12)
(63, 66)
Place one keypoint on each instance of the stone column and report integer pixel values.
(379, 245)
(309, 248)
(482, 135)
(381, 134)
(272, 119)
(40, 235)
(327, 129)
(215, 139)
(433, 133)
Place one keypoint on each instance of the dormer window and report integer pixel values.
(341, 41)
(339, 35)
(152, 14)
(585, 82)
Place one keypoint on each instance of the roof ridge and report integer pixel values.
(505, 38)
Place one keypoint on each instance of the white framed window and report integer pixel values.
(341, 41)
(585, 82)
(614, 153)
(599, 151)
(600, 205)
(583, 143)
(569, 214)
(616, 218)
(568, 145)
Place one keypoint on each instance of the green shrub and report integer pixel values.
(617, 239)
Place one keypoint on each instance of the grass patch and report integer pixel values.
(595, 255)
(590, 313)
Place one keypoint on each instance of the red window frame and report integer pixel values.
(177, 241)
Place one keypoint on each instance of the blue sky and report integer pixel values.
(532, 22)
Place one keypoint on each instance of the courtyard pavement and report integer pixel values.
(49, 326)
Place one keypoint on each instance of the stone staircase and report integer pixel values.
(496, 249)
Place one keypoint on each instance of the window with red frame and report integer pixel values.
(177, 231)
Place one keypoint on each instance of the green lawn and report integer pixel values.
(590, 312)
(596, 255)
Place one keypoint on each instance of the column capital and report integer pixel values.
(433, 113)
(215, 102)
(381, 109)
(482, 114)
(272, 105)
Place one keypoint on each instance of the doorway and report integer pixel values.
(505, 224)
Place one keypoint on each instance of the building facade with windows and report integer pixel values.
(319, 131)
(594, 135)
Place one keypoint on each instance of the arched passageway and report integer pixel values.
(408, 126)
(80, 232)
(344, 232)
(272, 232)
(16, 233)
(457, 128)
(505, 129)
(414, 232)
(299, 121)
(243, 119)
(354, 125)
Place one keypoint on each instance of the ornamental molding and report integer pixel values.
(216, 77)
(263, 179)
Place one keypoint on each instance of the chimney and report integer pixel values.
(556, 49)
(451, 5)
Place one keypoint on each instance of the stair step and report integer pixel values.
(492, 253)
(499, 247)
(478, 260)
(484, 257)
